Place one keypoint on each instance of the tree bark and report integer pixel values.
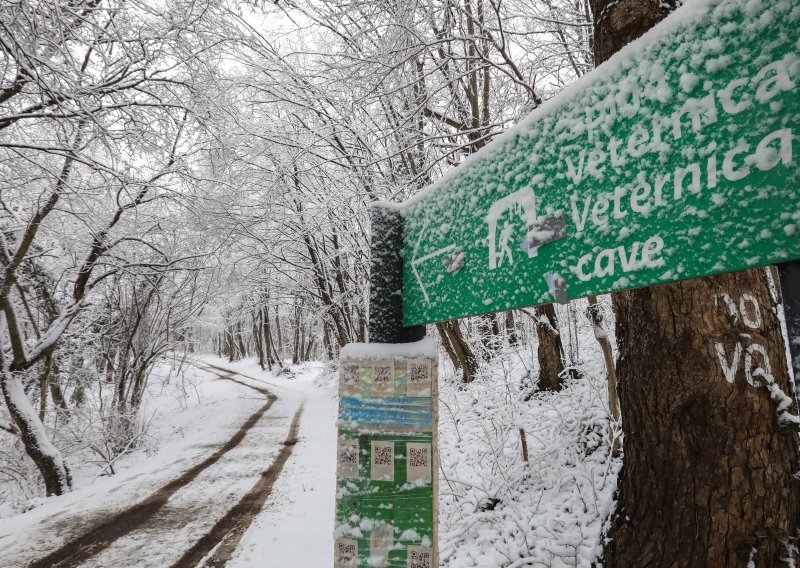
(278, 336)
(489, 332)
(326, 341)
(43, 387)
(258, 339)
(459, 350)
(242, 348)
(448, 347)
(596, 317)
(54, 383)
(551, 350)
(296, 337)
(710, 447)
(710, 457)
(511, 329)
(230, 347)
(270, 352)
(619, 22)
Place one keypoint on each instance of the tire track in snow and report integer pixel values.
(223, 536)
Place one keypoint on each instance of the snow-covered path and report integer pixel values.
(147, 516)
(295, 528)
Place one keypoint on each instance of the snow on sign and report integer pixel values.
(676, 159)
(386, 472)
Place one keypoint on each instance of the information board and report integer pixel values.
(675, 159)
(386, 472)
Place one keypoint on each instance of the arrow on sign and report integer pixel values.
(417, 261)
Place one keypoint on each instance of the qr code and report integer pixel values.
(382, 455)
(419, 559)
(348, 455)
(382, 375)
(418, 457)
(419, 373)
(346, 552)
(350, 373)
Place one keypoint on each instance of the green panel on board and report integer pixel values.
(676, 159)
(405, 506)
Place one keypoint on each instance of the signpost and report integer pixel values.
(676, 159)
(386, 513)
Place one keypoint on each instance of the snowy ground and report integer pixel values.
(296, 526)
(496, 510)
(185, 431)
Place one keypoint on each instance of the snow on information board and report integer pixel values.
(386, 473)
(676, 159)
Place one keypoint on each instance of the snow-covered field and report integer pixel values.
(498, 510)
(190, 417)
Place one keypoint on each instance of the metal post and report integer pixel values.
(789, 273)
(386, 280)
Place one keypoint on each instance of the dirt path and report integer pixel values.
(229, 530)
(225, 534)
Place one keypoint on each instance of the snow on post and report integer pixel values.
(386, 278)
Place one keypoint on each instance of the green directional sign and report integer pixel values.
(676, 159)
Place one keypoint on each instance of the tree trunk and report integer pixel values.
(57, 395)
(47, 458)
(448, 347)
(619, 22)
(296, 337)
(551, 351)
(489, 331)
(229, 349)
(459, 350)
(511, 329)
(43, 387)
(596, 317)
(242, 348)
(278, 346)
(311, 344)
(710, 451)
(326, 341)
(258, 339)
(269, 344)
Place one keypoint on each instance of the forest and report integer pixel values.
(184, 177)
(195, 177)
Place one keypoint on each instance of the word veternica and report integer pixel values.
(644, 194)
(735, 164)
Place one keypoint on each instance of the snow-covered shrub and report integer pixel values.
(496, 510)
